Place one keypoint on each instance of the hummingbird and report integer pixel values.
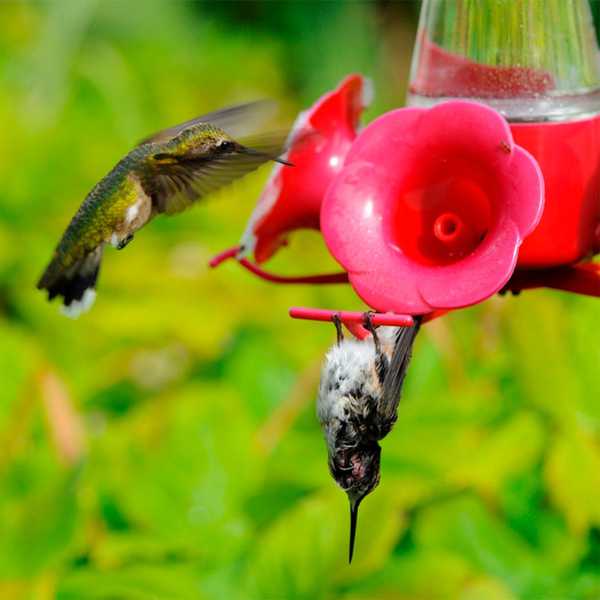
(357, 405)
(165, 174)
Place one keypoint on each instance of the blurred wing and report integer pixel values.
(176, 181)
(238, 121)
(396, 372)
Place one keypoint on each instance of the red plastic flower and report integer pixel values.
(431, 207)
(318, 145)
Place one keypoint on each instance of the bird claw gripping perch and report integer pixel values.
(355, 321)
(338, 328)
(359, 324)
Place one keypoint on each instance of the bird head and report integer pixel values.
(356, 471)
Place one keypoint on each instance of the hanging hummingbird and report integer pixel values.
(165, 173)
(357, 406)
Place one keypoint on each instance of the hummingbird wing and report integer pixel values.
(177, 180)
(238, 121)
(396, 372)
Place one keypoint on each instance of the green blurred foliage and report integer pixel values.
(165, 444)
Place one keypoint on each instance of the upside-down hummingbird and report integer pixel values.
(165, 173)
(357, 406)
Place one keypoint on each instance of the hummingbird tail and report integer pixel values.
(75, 285)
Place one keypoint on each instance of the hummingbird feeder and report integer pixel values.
(488, 181)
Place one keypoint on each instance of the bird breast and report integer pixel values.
(348, 377)
(138, 213)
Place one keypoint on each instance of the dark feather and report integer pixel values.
(396, 373)
(71, 284)
(183, 179)
(382, 365)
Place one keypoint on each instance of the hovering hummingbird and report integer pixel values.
(357, 406)
(165, 173)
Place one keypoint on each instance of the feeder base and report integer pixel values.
(583, 278)
(232, 253)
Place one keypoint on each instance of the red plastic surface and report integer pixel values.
(323, 278)
(580, 279)
(569, 156)
(354, 321)
(444, 212)
(318, 145)
(348, 317)
(437, 223)
(568, 152)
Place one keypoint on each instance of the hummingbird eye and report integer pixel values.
(225, 145)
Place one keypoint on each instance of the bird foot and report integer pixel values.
(368, 325)
(124, 242)
(338, 328)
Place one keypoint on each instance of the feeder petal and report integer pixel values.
(431, 207)
(523, 176)
(317, 148)
(470, 280)
(470, 127)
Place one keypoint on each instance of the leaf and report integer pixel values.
(486, 589)
(513, 448)
(139, 582)
(304, 553)
(464, 526)
(40, 528)
(409, 575)
(524, 502)
(572, 473)
(184, 481)
(542, 361)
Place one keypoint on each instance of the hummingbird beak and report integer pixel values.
(354, 504)
(277, 159)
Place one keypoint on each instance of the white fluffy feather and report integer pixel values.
(77, 307)
(345, 365)
(132, 212)
(349, 366)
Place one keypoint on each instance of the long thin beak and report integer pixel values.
(277, 159)
(354, 504)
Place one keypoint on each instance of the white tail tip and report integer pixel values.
(78, 307)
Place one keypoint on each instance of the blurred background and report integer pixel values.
(165, 446)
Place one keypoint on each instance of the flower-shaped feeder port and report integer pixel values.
(317, 147)
(551, 101)
(431, 206)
